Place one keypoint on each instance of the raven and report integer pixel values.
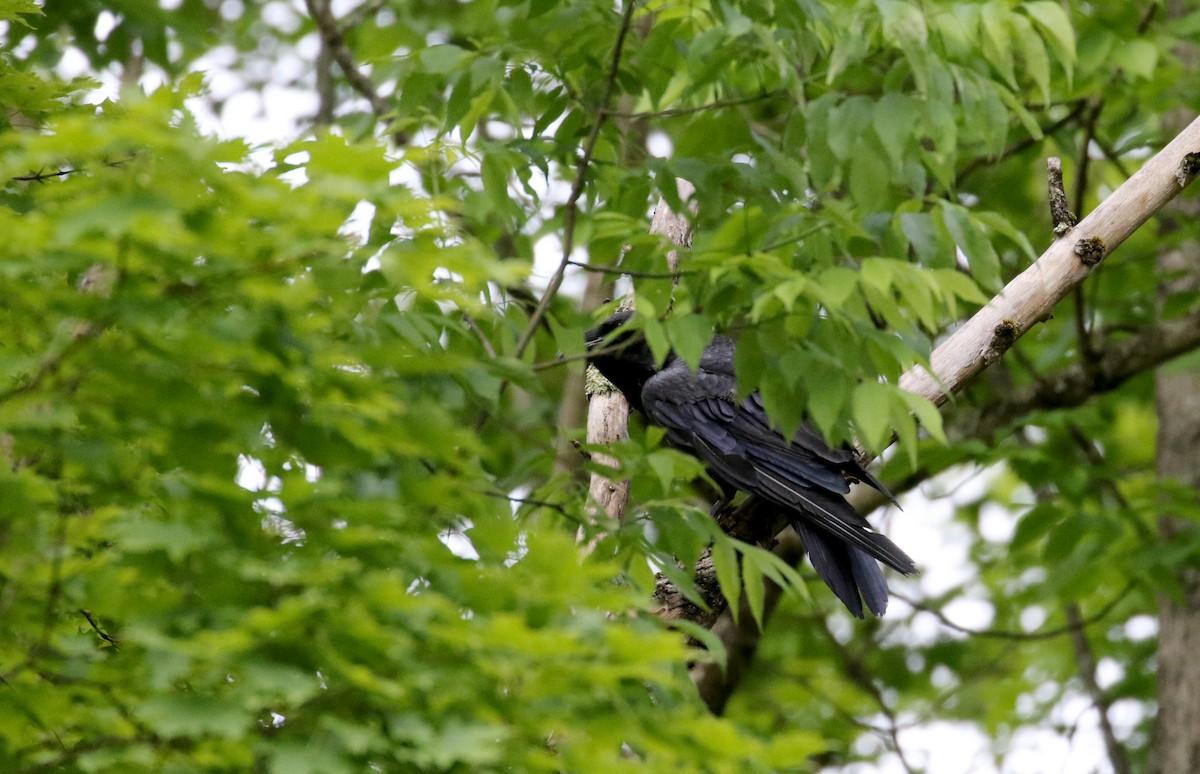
(805, 478)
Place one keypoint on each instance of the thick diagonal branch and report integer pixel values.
(1029, 298)
(1113, 365)
(1025, 301)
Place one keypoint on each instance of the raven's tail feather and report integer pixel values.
(831, 559)
(838, 521)
(871, 585)
(850, 572)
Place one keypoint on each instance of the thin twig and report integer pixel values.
(1024, 144)
(39, 176)
(99, 630)
(1117, 362)
(1061, 215)
(1086, 661)
(532, 502)
(331, 34)
(1003, 634)
(858, 673)
(52, 361)
(571, 208)
(564, 359)
(671, 112)
(1083, 167)
(326, 96)
(795, 238)
(1111, 154)
(484, 341)
(627, 272)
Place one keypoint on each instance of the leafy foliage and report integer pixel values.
(279, 487)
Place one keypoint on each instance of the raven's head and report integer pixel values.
(622, 356)
(596, 336)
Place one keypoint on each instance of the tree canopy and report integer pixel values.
(294, 472)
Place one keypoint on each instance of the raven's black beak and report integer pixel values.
(594, 337)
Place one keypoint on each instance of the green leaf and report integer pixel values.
(1033, 525)
(755, 592)
(184, 715)
(1033, 53)
(903, 24)
(985, 264)
(663, 466)
(729, 575)
(828, 390)
(905, 428)
(895, 120)
(961, 285)
(1004, 227)
(780, 572)
(495, 173)
(1138, 57)
(656, 334)
(689, 335)
(997, 39)
(295, 758)
(714, 646)
(836, 285)
(921, 233)
(868, 178)
(846, 123)
(750, 361)
(927, 414)
(1050, 16)
(783, 405)
(871, 404)
(443, 59)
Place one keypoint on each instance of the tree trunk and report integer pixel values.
(1176, 748)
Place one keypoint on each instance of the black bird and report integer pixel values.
(806, 478)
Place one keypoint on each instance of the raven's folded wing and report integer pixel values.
(807, 477)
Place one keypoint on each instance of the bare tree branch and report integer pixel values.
(1026, 300)
(42, 176)
(1114, 364)
(333, 41)
(1030, 297)
(620, 272)
(1086, 661)
(326, 96)
(1060, 212)
(716, 685)
(860, 675)
(571, 208)
(717, 105)
(1014, 636)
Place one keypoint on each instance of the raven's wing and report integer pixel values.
(808, 478)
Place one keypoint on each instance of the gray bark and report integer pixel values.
(1176, 747)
